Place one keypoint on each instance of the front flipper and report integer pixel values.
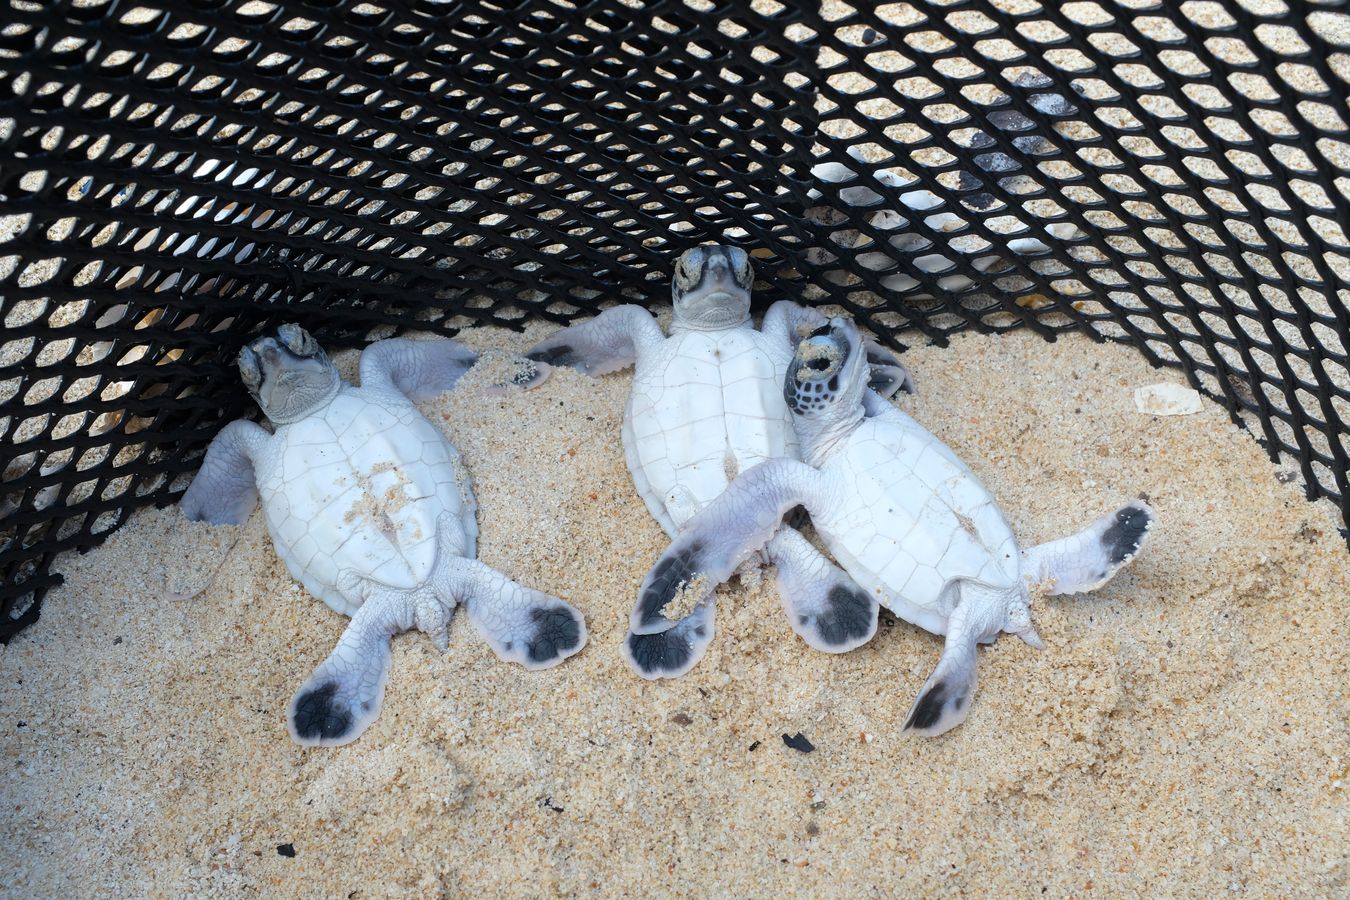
(343, 696)
(669, 654)
(789, 322)
(1089, 559)
(825, 606)
(887, 375)
(520, 624)
(713, 543)
(224, 491)
(611, 341)
(417, 369)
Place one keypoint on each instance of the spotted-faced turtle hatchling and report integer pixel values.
(706, 403)
(904, 516)
(368, 507)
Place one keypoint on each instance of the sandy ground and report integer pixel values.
(1184, 733)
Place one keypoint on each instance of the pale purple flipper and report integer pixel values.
(824, 605)
(1081, 562)
(224, 491)
(1089, 559)
(944, 700)
(671, 653)
(611, 341)
(343, 696)
(721, 536)
(520, 624)
(418, 369)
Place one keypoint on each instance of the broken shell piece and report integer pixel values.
(1166, 400)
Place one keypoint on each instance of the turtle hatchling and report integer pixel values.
(367, 505)
(904, 516)
(706, 403)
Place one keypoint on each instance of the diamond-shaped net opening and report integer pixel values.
(175, 178)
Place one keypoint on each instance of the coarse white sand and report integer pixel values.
(1185, 732)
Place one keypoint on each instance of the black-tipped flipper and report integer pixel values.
(1089, 559)
(1127, 532)
(669, 654)
(675, 572)
(850, 618)
(558, 633)
(936, 704)
(560, 354)
(741, 520)
(520, 624)
(343, 696)
(824, 605)
(944, 700)
(609, 342)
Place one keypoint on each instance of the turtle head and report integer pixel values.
(288, 374)
(711, 288)
(825, 383)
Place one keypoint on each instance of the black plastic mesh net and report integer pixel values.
(174, 178)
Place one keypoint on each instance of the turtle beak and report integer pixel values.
(265, 353)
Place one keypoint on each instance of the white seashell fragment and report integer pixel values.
(1166, 400)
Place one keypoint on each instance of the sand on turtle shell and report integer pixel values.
(1184, 732)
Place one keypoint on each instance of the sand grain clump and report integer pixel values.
(1184, 732)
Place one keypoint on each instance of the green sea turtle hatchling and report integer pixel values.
(706, 403)
(368, 507)
(905, 517)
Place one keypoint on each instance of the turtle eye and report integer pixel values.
(821, 331)
(248, 370)
(293, 338)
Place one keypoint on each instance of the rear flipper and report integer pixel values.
(520, 624)
(825, 606)
(669, 654)
(944, 701)
(343, 696)
(945, 698)
(1089, 559)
